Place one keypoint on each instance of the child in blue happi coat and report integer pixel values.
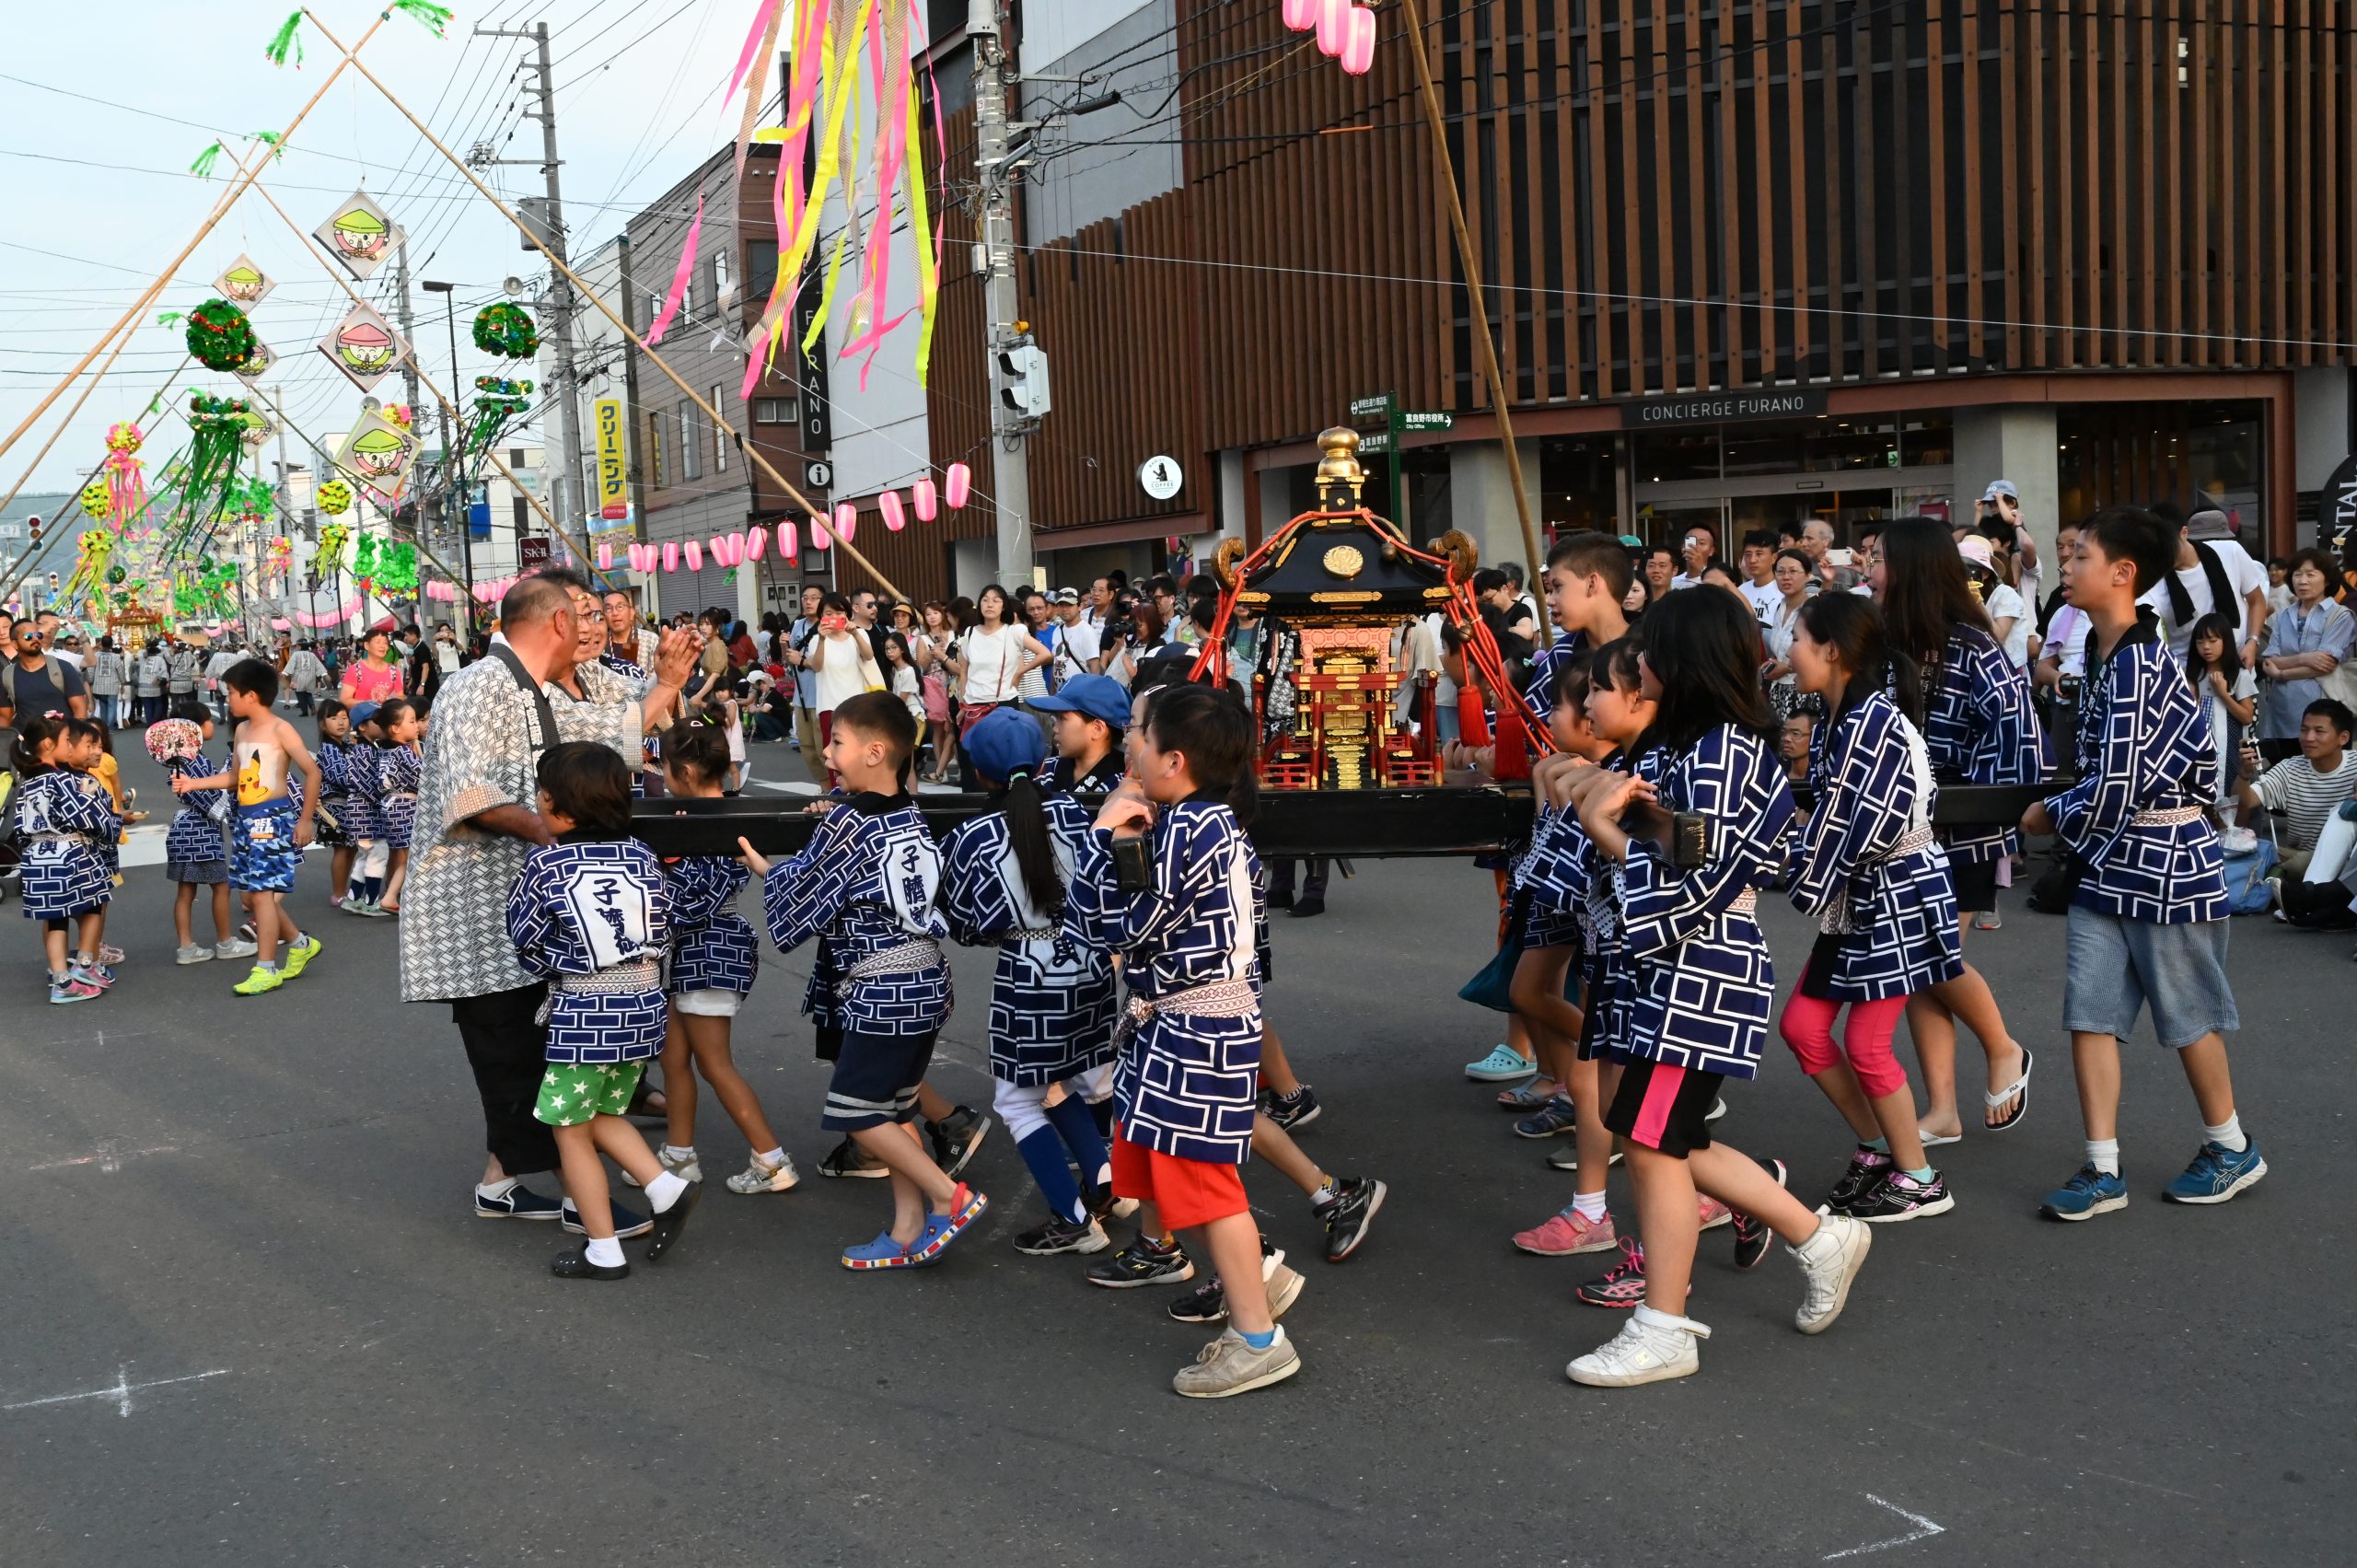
(64, 820)
(196, 848)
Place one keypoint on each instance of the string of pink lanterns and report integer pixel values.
(1345, 30)
(752, 544)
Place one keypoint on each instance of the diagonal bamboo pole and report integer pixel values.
(34, 562)
(751, 452)
(163, 279)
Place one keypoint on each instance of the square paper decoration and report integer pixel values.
(243, 284)
(360, 234)
(365, 347)
(377, 453)
(254, 369)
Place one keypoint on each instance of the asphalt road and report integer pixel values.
(252, 1318)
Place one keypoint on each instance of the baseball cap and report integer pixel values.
(1065, 596)
(1005, 742)
(2208, 524)
(2003, 487)
(1091, 696)
(361, 713)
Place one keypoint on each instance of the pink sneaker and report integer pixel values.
(1568, 1233)
(1713, 1213)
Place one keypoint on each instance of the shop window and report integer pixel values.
(1664, 457)
(1575, 485)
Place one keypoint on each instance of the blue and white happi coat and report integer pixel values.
(195, 835)
(1866, 865)
(1981, 728)
(348, 786)
(592, 917)
(1702, 981)
(713, 947)
(2144, 742)
(68, 827)
(1553, 875)
(867, 882)
(1095, 783)
(398, 768)
(1187, 1083)
(1051, 996)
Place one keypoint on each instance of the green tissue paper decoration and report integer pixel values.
(203, 166)
(365, 564)
(396, 567)
(284, 40)
(434, 17)
(219, 336)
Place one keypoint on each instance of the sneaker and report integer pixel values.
(1651, 1347)
(1898, 1197)
(1624, 1285)
(236, 947)
(110, 954)
(1566, 1156)
(245, 931)
(1207, 1303)
(1863, 1174)
(1502, 1066)
(1284, 1286)
(2086, 1195)
(687, 1168)
(759, 1175)
(627, 1223)
(1718, 1108)
(1752, 1236)
(1294, 1111)
(1357, 1199)
(1711, 1213)
(1228, 1366)
(519, 1203)
(94, 973)
(261, 979)
(1142, 1263)
(1988, 920)
(1830, 1260)
(966, 1206)
(881, 1253)
(955, 1137)
(847, 1159)
(298, 958)
(1550, 1121)
(2216, 1174)
(373, 910)
(71, 988)
(1061, 1234)
(1103, 1205)
(1567, 1235)
(575, 1265)
(194, 953)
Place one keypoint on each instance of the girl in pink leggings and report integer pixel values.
(1869, 869)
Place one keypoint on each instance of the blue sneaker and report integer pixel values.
(2086, 1195)
(627, 1223)
(881, 1253)
(2216, 1174)
(1552, 1120)
(1499, 1067)
(519, 1203)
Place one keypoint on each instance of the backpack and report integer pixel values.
(49, 670)
(2247, 888)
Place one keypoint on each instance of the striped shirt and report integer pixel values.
(2305, 797)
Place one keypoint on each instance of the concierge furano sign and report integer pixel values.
(1719, 408)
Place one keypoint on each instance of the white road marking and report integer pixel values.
(121, 1391)
(1924, 1530)
(108, 1157)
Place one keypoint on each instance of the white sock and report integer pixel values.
(664, 1191)
(2104, 1154)
(2228, 1134)
(678, 1153)
(1589, 1204)
(774, 1157)
(603, 1252)
(499, 1188)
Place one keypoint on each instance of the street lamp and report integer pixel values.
(448, 291)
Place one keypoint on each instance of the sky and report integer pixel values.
(98, 197)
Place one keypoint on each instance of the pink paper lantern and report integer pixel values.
(670, 555)
(736, 549)
(895, 517)
(1333, 27)
(694, 553)
(789, 541)
(961, 484)
(756, 542)
(1358, 48)
(846, 520)
(605, 557)
(927, 502)
(719, 550)
(1301, 15)
(820, 538)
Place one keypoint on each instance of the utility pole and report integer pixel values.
(408, 319)
(1011, 464)
(565, 496)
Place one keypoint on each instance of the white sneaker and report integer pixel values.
(1284, 1287)
(1829, 1260)
(687, 1169)
(194, 953)
(760, 1177)
(1651, 1347)
(236, 947)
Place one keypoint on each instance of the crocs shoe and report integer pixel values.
(1499, 1067)
(1567, 1234)
(881, 1253)
(966, 1206)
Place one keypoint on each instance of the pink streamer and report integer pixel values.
(752, 44)
(679, 279)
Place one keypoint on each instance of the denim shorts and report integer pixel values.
(2117, 965)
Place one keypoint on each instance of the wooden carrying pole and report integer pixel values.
(750, 451)
(579, 542)
(220, 210)
(1481, 302)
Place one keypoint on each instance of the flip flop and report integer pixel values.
(2018, 1086)
(1934, 1140)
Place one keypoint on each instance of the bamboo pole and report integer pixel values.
(66, 423)
(458, 423)
(433, 558)
(33, 562)
(1472, 269)
(752, 452)
(220, 210)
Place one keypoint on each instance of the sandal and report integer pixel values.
(643, 1102)
(2018, 1086)
(1528, 1097)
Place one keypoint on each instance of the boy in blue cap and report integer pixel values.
(1092, 715)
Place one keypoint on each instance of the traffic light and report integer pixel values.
(1023, 381)
(33, 527)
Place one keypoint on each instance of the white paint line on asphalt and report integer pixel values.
(1924, 1530)
(121, 1391)
(108, 1157)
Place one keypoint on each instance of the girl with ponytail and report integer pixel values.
(1022, 877)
